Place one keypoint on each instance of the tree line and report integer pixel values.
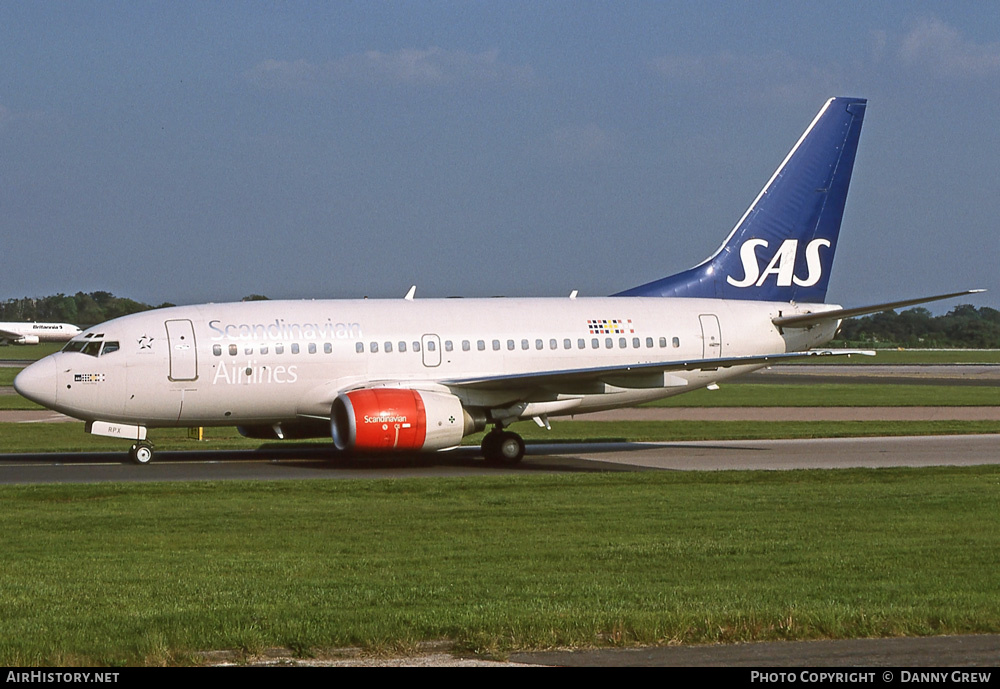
(965, 326)
(83, 309)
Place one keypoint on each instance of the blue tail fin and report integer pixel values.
(782, 248)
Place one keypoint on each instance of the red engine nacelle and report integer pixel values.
(397, 419)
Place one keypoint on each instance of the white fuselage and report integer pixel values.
(273, 362)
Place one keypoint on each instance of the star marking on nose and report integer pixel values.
(145, 342)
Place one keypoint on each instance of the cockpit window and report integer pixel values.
(109, 347)
(92, 348)
(74, 346)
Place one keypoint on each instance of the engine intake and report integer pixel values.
(399, 419)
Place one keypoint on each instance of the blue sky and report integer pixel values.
(191, 152)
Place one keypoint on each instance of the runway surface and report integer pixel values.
(282, 462)
(981, 650)
(899, 654)
(896, 374)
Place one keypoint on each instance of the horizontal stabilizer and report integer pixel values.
(807, 320)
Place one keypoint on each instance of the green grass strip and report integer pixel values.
(29, 353)
(871, 394)
(911, 356)
(17, 403)
(154, 573)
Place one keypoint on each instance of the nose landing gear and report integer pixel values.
(141, 452)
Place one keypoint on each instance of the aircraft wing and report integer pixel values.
(633, 375)
(10, 335)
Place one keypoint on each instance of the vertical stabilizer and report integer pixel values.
(782, 248)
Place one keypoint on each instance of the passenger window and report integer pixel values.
(263, 349)
(447, 345)
(635, 343)
(327, 348)
(649, 342)
(312, 347)
(553, 344)
(402, 346)
(677, 342)
(510, 345)
(216, 349)
(608, 342)
(359, 347)
(431, 346)
(388, 347)
(280, 349)
(496, 345)
(581, 343)
(524, 344)
(481, 345)
(466, 346)
(595, 343)
(373, 347)
(538, 344)
(663, 342)
(295, 348)
(567, 344)
(416, 346)
(622, 343)
(233, 350)
(248, 350)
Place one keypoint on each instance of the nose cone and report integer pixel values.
(38, 382)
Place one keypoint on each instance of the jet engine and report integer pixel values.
(399, 419)
(26, 340)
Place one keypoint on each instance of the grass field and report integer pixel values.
(154, 573)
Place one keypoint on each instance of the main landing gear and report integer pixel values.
(504, 448)
(141, 452)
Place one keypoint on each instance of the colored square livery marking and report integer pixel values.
(610, 326)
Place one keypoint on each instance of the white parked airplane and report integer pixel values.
(419, 375)
(33, 333)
